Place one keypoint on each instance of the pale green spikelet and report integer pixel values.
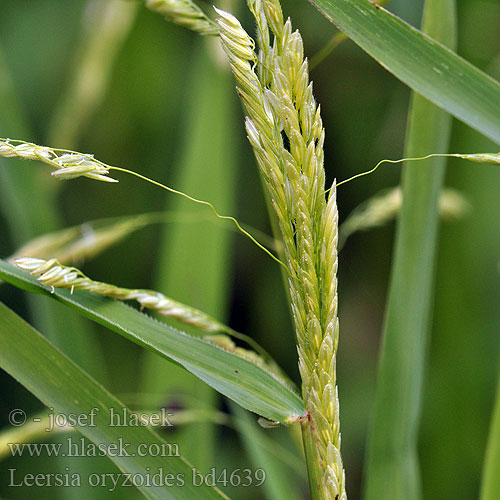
(376, 211)
(77, 243)
(53, 274)
(185, 13)
(68, 164)
(284, 127)
(453, 205)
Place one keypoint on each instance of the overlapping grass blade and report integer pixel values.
(61, 384)
(392, 463)
(27, 199)
(279, 484)
(246, 383)
(420, 62)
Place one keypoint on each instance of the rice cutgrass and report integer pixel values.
(284, 127)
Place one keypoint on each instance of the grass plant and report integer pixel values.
(194, 357)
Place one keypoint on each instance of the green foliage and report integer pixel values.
(61, 384)
(392, 458)
(163, 107)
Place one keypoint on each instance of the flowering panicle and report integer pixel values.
(185, 13)
(68, 164)
(284, 127)
(384, 206)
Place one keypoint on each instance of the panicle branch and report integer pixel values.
(53, 274)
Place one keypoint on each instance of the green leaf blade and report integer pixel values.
(420, 62)
(246, 383)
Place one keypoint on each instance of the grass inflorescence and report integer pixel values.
(285, 129)
(53, 274)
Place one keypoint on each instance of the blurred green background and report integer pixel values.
(169, 111)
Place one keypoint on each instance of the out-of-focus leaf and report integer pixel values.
(421, 62)
(61, 384)
(207, 168)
